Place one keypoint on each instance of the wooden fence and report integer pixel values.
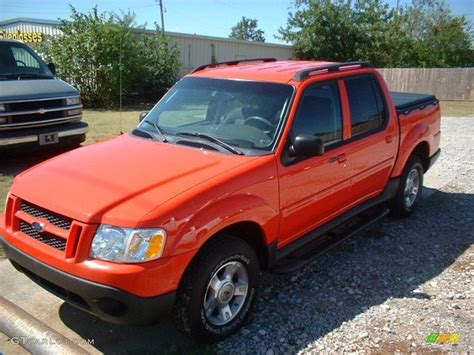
(455, 84)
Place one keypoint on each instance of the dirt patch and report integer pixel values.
(403, 347)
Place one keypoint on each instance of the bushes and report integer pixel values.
(96, 47)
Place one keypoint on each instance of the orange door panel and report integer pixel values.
(311, 192)
(371, 162)
(374, 137)
(314, 190)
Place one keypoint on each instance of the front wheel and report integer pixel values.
(409, 191)
(218, 291)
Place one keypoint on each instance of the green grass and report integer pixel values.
(105, 124)
(457, 108)
(5, 182)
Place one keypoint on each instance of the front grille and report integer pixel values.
(32, 117)
(34, 105)
(53, 218)
(41, 112)
(46, 238)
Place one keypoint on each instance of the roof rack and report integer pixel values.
(233, 62)
(331, 68)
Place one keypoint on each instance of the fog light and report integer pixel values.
(112, 307)
(74, 112)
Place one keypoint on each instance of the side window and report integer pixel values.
(366, 104)
(319, 113)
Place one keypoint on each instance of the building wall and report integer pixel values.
(49, 30)
(198, 50)
(194, 50)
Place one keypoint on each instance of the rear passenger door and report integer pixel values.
(373, 145)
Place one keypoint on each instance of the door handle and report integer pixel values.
(341, 158)
(389, 138)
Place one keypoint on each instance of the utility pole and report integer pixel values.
(162, 18)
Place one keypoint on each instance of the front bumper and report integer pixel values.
(67, 133)
(106, 302)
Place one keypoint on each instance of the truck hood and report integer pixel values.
(120, 180)
(12, 90)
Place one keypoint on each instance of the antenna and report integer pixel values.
(120, 80)
(162, 17)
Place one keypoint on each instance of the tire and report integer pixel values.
(410, 189)
(200, 309)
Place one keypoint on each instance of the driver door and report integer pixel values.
(314, 190)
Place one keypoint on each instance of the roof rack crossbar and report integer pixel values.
(233, 62)
(331, 68)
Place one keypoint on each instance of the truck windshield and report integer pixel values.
(239, 113)
(18, 61)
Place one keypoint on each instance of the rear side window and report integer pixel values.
(319, 113)
(366, 104)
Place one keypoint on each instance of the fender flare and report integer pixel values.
(223, 213)
(418, 134)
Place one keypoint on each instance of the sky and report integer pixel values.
(203, 17)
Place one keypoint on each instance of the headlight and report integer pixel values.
(2, 107)
(127, 245)
(73, 100)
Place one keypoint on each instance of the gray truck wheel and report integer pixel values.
(409, 192)
(218, 291)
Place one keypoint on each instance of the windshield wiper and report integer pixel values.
(158, 130)
(31, 75)
(213, 140)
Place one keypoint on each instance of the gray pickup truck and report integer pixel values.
(36, 108)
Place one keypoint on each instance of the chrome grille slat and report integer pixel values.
(26, 113)
(53, 218)
(31, 105)
(46, 238)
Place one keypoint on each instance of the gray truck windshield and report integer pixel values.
(18, 61)
(240, 113)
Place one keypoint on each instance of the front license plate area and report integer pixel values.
(48, 138)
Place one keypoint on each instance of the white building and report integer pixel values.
(194, 49)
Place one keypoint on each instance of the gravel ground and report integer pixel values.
(389, 288)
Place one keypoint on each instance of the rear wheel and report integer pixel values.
(218, 291)
(409, 190)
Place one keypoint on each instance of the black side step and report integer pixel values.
(329, 240)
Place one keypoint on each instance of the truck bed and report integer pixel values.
(405, 102)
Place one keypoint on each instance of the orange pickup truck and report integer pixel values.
(241, 167)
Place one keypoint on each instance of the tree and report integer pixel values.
(438, 37)
(96, 51)
(424, 34)
(247, 29)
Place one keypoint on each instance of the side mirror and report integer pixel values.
(142, 116)
(307, 146)
(52, 67)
